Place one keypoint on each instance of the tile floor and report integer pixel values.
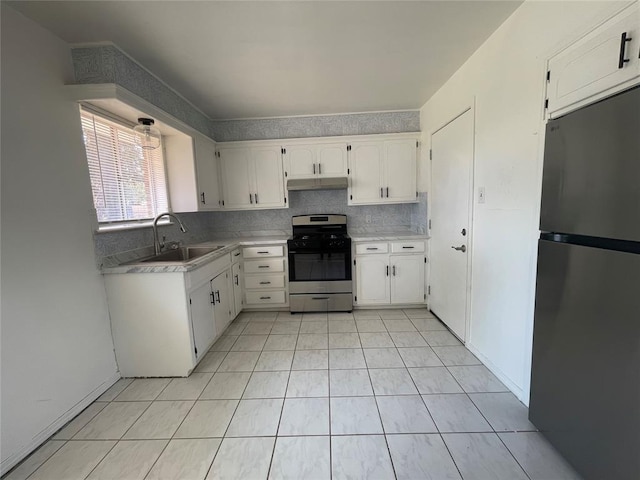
(373, 394)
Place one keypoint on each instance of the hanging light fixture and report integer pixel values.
(147, 136)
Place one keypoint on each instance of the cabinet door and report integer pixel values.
(237, 280)
(220, 289)
(407, 278)
(203, 325)
(209, 197)
(400, 171)
(268, 177)
(372, 280)
(365, 162)
(593, 66)
(301, 161)
(236, 170)
(331, 160)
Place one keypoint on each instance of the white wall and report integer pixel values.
(505, 79)
(57, 351)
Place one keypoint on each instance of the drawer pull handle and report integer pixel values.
(408, 247)
(265, 298)
(263, 266)
(372, 248)
(623, 43)
(265, 283)
(237, 254)
(319, 298)
(263, 252)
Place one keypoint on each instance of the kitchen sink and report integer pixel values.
(180, 255)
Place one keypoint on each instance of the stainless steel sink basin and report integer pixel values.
(180, 255)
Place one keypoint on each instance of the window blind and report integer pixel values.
(128, 182)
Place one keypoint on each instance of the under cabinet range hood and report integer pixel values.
(332, 183)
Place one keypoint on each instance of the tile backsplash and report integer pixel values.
(204, 226)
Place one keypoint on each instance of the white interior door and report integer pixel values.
(451, 181)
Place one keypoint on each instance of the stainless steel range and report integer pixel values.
(320, 264)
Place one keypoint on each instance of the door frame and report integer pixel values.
(468, 107)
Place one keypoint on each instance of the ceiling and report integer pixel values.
(240, 59)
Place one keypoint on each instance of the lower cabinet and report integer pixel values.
(265, 276)
(163, 324)
(384, 278)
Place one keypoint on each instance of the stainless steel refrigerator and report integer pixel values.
(585, 381)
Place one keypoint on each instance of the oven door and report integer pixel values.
(311, 265)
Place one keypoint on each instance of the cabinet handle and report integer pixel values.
(394, 270)
(623, 45)
(314, 168)
(263, 266)
(408, 247)
(372, 248)
(213, 298)
(237, 280)
(265, 298)
(251, 198)
(263, 252)
(387, 192)
(319, 169)
(202, 196)
(237, 254)
(387, 270)
(381, 193)
(319, 298)
(256, 197)
(218, 295)
(265, 283)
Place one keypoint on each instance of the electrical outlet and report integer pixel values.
(481, 195)
(367, 219)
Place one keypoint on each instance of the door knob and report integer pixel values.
(462, 248)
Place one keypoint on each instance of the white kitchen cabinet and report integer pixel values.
(318, 160)
(601, 63)
(384, 278)
(265, 276)
(209, 193)
(203, 324)
(407, 278)
(192, 173)
(383, 171)
(159, 320)
(237, 281)
(372, 280)
(252, 177)
(221, 295)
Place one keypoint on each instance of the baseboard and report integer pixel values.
(11, 461)
(517, 391)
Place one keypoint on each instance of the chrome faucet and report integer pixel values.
(156, 242)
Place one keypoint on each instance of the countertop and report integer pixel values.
(129, 265)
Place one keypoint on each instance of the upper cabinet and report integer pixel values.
(192, 173)
(315, 160)
(383, 171)
(252, 177)
(209, 192)
(601, 63)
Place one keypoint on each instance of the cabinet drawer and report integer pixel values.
(236, 255)
(379, 247)
(416, 246)
(258, 252)
(264, 281)
(266, 298)
(264, 266)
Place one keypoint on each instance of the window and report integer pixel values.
(128, 183)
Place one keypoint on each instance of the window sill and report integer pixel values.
(110, 228)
